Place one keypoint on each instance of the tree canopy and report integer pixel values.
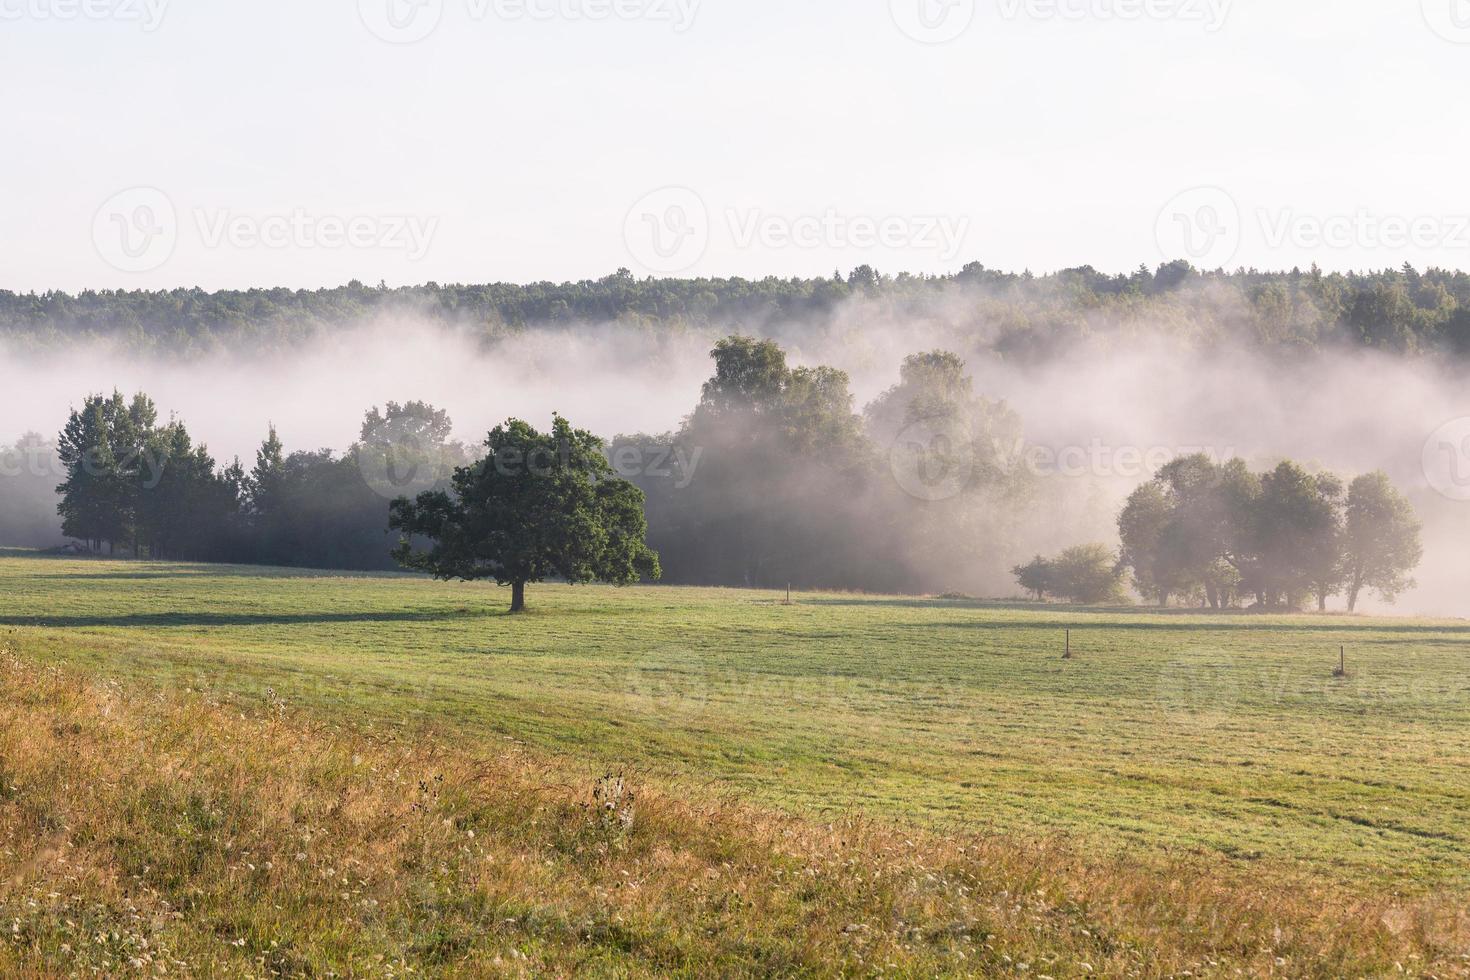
(1086, 574)
(538, 506)
(1215, 531)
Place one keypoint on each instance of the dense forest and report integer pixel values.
(1016, 314)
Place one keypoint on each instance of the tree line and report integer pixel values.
(1219, 535)
(774, 479)
(1402, 310)
(136, 486)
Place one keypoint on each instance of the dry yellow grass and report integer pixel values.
(148, 834)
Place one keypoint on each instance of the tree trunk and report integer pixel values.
(517, 597)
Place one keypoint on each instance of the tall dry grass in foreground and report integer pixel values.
(167, 835)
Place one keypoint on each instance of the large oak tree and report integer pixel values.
(538, 506)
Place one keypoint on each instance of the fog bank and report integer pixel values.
(1101, 413)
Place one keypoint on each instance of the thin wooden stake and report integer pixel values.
(1341, 662)
(1068, 654)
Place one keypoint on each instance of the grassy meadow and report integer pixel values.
(846, 784)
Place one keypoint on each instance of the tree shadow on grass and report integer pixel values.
(920, 602)
(38, 555)
(207, 619)
(1242, 625)
(121, 576)
(128, 567)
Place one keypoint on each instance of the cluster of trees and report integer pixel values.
(1087, 574)
(774, 479)
(1217, 533)
(1402, 310)
(132, 484)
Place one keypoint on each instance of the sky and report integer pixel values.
(237, 143)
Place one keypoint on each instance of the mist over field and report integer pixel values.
(1099, 415)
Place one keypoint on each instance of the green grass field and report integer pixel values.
(1222, 737)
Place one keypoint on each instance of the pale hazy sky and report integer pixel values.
(228, 143)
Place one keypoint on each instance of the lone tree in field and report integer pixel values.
(538, 506)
